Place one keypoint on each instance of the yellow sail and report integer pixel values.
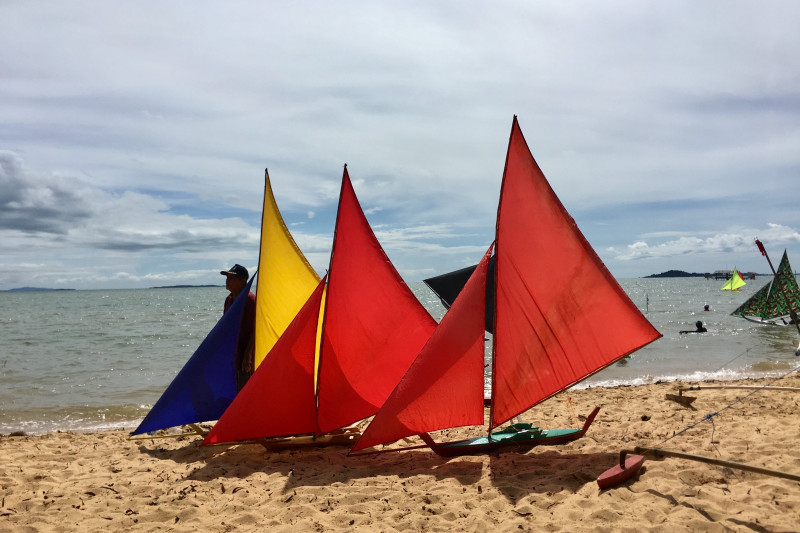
(735, 283)
(285, 277)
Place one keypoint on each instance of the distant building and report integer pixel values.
(726, 274)
(722, 274)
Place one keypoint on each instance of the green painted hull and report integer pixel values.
(517, 437)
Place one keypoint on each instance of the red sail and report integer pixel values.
(560, 315)
(279, 398)
(444, 386)
(374, 326)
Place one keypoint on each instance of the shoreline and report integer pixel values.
(771, 371)
(93, 481)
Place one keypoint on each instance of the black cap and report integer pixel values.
(236, 270)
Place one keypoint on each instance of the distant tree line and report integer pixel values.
(714, 275)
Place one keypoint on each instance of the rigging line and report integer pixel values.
(710, 416)
(714, 442)
(732, 360)
(572, 410)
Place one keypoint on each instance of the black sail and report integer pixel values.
(447, 286)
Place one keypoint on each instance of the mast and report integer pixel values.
(792, 312)
(494, 279)
(324, 307)
(260, 243)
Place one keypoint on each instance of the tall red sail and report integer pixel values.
(374, 326)
(560, 315)
(279, 398)
(444, 386)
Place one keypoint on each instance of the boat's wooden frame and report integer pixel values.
(346, 436)
(342, 437)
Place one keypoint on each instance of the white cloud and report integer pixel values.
(71, 225)
(622, 105)
(774, 235)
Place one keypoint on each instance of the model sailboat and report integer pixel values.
(206, 385)
(735, 283)
(777, 302)
(770, 305)
(372, 329)
(559, 317)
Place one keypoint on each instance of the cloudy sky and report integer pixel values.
(134, 135)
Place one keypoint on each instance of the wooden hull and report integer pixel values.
(516, 438)
(347, 437)
(630, 464)
(342, 437)
(620, 473)
(768, 322)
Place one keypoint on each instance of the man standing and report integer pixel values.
(235, 280)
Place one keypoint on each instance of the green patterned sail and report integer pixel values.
(756, 304)
(778, 298)
(787, 299)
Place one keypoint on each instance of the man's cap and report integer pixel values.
(236, 270)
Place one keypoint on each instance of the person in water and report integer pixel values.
(700, 328)
(244, 364)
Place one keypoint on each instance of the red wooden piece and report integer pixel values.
(618, 474)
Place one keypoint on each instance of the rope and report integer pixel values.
(710, 416)
(572, 410)
(732, 360)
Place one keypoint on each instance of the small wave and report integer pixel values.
(754, 372)
(78, 418)
(31, 427)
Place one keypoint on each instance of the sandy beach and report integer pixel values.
(104, 481)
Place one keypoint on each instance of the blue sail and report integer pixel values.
(206, 385)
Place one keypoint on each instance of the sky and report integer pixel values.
(134, 136)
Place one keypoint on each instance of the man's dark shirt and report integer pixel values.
(247, 329)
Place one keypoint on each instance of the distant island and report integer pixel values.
(35, 289)
(43, 289)
(678, 274)
(717, 274)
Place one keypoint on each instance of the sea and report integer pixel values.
(99, 359)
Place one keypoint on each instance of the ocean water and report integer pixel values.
(88, 360)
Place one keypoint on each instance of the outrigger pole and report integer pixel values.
(686, 401)
(792, 312)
